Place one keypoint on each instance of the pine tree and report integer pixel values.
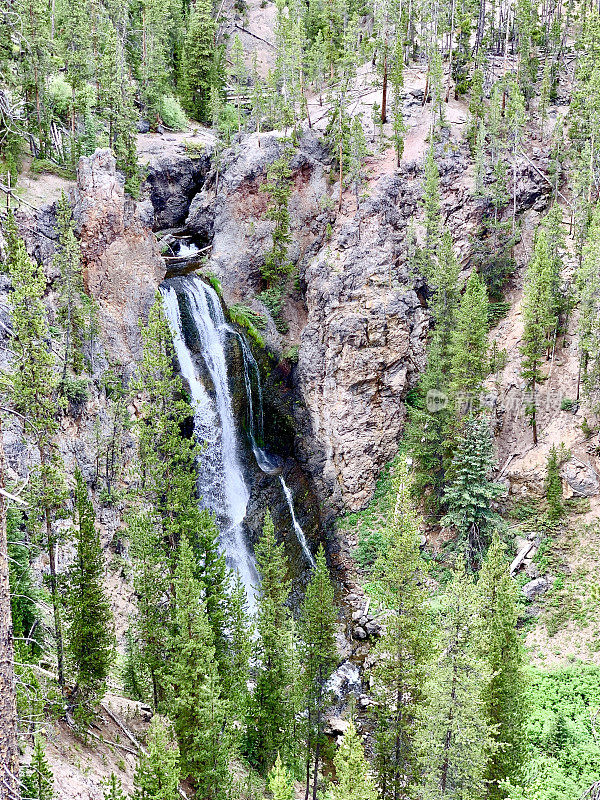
(241, 628)
(553, 486)
(157, 771)
(432, 203)
(90, 638)
(24, 593)
(318, 655)
(454, 735)
(278, 187)
(397, 82)
(504, 694)
(37, 778)
(113, 789)
(32, 391)
(197, 61)
(268, 718)
(431, 420)
(280, 781)
(72, 300)
(588, 292)
(358, 154)
(150, 624)
(470, 492)
(195, 705)
(470, 341)
(353, 775)
(539, 321)
(405, 648)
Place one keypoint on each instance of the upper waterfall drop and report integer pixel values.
(220, 476)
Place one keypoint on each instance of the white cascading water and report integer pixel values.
(221, 478)
(296, 524)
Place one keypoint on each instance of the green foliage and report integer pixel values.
(453, 731)
(371, 521)
(268, 723)
(197, 67)
(318, 655)
(504, 700)
(171, 113)
(470, 492)
(90, 637)
(252, 321)
(553, 486)
(37, 777)
(278, 187)
(280, 781)
(113, 789)
(564, 759)
(540, 319)
(469, 343)
(194, 701)
(24, 594)
(157, 771)
(353, 775)
(41, 166)
(405, 648)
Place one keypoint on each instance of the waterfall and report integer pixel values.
(220, 476)
(298, 530)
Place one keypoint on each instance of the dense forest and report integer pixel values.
(472, 582)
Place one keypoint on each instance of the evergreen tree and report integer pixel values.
(353, 775)
(405, 648)
(113, 789)
(588, 291)
(241, 628)
(72, 300)
(318, 654)
(431, 419)
(150, 625)
(553, 486)
(195, 704)
(24, 594)
(278, 187)
(32, 391)
(470, 342)
(539, 320)
(90, 638)
(470, 492)
(268, 719)
(37, 777)
(280, 781)
(432, 203)
(197, 62)
(504, 694)
(157, 771)
(454, 735)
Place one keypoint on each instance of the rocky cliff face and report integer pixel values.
(121, 260)
(360, 321)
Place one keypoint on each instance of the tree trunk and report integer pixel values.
(55, 603)
(9, 750)
(384, 89)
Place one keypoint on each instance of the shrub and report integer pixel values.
(75, 390)
(41, 165)
(251, 320)
(171, 113)
(568, 405)
(61, 95)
